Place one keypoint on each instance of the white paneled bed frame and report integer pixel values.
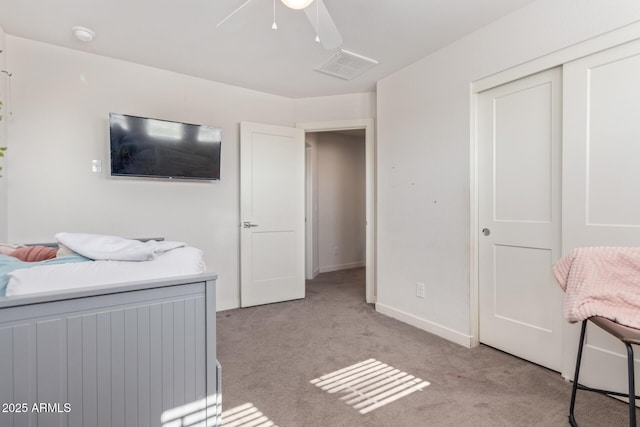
(134, 354)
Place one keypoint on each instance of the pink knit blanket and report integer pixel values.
(601, 281)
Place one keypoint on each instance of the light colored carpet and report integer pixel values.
(271, 353)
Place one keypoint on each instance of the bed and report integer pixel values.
(133, 353)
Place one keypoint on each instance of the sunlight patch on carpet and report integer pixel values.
(245, 415)
(199, 413)
(370, 384)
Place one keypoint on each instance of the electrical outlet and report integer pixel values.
(420, 290)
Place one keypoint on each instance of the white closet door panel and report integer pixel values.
(519, 195)
(601, 195)
(521, 284)
(613, 140)
(522, 170)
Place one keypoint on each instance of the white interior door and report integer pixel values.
(272, 203)
(601, 191)
(519, 130)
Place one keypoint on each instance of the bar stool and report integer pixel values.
(628, 336)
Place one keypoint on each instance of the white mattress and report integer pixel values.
(47, 278)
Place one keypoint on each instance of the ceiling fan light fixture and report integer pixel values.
(297, 4)
(274, 26)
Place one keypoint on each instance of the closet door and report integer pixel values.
(520, 305)
(601, 179)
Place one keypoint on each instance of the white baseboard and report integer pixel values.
(314, 274)
(329, 268)
(228, 305)
(425, 325)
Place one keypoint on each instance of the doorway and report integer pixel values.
(335, 201)
(347, 129)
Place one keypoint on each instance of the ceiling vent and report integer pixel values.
(346, 65)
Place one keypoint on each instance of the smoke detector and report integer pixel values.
(346, 65)
(83, 34)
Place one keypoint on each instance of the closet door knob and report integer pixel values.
(486, 231)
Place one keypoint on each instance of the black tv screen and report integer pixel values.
(147, 147)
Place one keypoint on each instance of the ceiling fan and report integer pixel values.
(326, 31)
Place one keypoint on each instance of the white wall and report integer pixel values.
(352, 106)
(341, 201)
(3, 139)
(423, 161)
(60, 102)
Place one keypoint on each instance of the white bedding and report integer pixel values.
(114, 248)
(47, 278)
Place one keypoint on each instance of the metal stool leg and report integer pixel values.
(574, 390)
(632, 391)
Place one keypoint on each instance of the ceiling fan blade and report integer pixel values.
(233, 13)
(326, 29)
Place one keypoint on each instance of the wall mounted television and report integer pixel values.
(145, 147)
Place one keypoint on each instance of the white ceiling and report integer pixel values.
(181, 35)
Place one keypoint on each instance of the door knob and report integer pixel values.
(247, 224)
(486, 231)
